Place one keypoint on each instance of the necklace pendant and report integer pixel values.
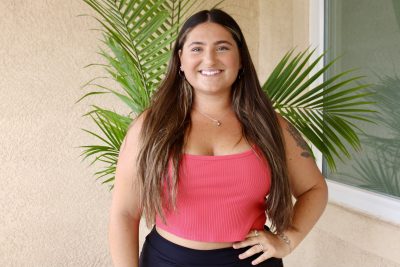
(218, 123)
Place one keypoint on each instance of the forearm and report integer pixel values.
(307, 210)
(124, 241)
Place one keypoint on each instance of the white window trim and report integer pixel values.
(380, 206)
(377, 205)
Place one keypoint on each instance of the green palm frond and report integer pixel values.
(324, 113)
(113, 129)
(138, 36)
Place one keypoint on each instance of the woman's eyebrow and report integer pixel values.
(215, 43)
(223, 42)
(196, 43)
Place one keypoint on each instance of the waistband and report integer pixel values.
(184, 255)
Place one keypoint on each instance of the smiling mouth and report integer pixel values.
(210, 72)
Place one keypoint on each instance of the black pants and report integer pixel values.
(160, 252)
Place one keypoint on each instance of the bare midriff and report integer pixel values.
(192, 243)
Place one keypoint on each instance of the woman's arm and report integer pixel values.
(307, 184)
(309, 188)
(125, 212)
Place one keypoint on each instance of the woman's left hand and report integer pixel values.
(265, 242)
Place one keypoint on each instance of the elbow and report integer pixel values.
(323, 193)
(326, 193)
(318, 194)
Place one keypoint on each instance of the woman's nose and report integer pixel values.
(210, 56)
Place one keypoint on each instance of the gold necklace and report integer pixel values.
(218, 122)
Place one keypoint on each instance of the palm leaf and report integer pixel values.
(138, 36)
(325, 113)
(113, 129)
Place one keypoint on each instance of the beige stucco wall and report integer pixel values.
(283, 25)
(53, 212)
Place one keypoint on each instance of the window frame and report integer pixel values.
(377, 205)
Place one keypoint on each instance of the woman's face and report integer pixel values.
(210, 58)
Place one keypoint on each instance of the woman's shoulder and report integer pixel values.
(295, 145)
(282, 121)
(285, 126)
(137, 122)
(133, 133)
(288, 130)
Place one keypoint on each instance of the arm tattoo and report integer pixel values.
(300, 141)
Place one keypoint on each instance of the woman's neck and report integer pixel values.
(212, 105)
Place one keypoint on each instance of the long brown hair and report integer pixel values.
(168, 119)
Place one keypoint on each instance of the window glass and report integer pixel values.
(365, 34)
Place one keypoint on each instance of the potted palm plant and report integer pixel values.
(139, 35)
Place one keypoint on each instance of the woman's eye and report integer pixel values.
(223, 48)
(196, 49)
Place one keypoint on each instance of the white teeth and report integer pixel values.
(210, 72)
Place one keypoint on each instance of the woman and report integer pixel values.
(209, 159)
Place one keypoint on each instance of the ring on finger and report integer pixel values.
(255, 233)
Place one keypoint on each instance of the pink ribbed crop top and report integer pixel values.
(220, 198)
